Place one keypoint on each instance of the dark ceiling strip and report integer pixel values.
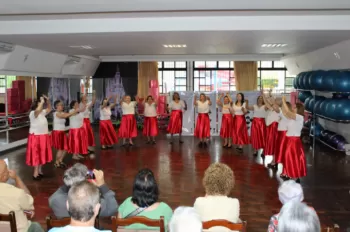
(180, 11)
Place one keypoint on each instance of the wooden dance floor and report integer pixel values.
(179, 170)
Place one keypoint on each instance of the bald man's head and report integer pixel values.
(4, 173)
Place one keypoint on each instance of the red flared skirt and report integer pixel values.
(39, 151)
(89, 133)
(128, 127)
(202, 129)
(108, 135)
(226, 126)
(258, 133)
(59, 140)
(77, 142)
(175, 122)
(294, 162)
(240, 131)
(281, 146)
(271, 139)
(150, 126)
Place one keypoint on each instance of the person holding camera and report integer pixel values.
(77, 174)
(39, 150)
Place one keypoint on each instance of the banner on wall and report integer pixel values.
(114, 86)
(59, 90)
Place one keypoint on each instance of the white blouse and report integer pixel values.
(294, 127)
(59, 124)
(218, 207)
(238, 109)
(76, 121)
(128, 108)
(87, 111)
(272, 116)
(203, 107)
(259, 112)
(226, 109)
(38, 125)
(177, 106)
(283, 123)
(150, 110)
(105, 113)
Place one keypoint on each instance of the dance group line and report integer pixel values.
(276, 128)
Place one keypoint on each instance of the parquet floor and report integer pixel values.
(179, 170)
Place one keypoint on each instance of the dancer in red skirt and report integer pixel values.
(258, 129)
(240, 131)
(272, 119)
(176, 106)
(108, 135)
(59, 139)
(86, 123)
(150, 123)
(39, 145)
(281, 140)
(77, 142)
(294, 158)
(202, 130)
(227, 119)
(128, 128)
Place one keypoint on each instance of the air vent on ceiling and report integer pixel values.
(6, 47)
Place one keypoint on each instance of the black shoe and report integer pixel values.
(109, 147)
(255, 154)
(229, 146)
(41, 175)
(205, 144)
(200, 144)
(148, 142)
(225, 145)
(131, 144)
(63, 165)
(298, 180)
(104, 148)
(153, 142)
(272, 166)
(37, 178)
(180, 141)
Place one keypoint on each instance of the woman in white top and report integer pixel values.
(240, 131)
(258, 129)
(150, 122)
(202, 130)
(128, 128)
(282, 137)
(218, 182)
(227, 119)
(272, 118)
(86, 123)
(108, 135)
(59, 139)
(39, 144)
(294, 157)
(176, 106)
(77, 143)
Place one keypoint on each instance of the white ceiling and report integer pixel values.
(80, 6)
(198, 43)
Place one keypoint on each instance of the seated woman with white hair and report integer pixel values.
(185, 219)
(298, 217)
(287, 192)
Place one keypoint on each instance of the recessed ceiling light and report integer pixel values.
(273, 45)
(82, 46)
(174, 45)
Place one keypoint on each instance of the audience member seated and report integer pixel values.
(144, 201)
(298, 217)
(218, 182)
(185, 219)
(77, 174)
(83, 205)
(16, 198)
(288, 191)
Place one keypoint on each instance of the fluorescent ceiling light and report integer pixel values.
(273, 45)
(174, 45)
(82, 46)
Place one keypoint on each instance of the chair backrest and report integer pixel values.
(54, 222)
(11, 226)
(224, 223)
(116, 222)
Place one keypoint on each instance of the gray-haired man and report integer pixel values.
(77, 174)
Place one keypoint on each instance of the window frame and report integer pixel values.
(174, 69)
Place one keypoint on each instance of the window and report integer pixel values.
(274, 75)
(172, 76)
(213, 76)
(6, 81)
(82, 86)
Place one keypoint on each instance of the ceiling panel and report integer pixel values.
(198, 43)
